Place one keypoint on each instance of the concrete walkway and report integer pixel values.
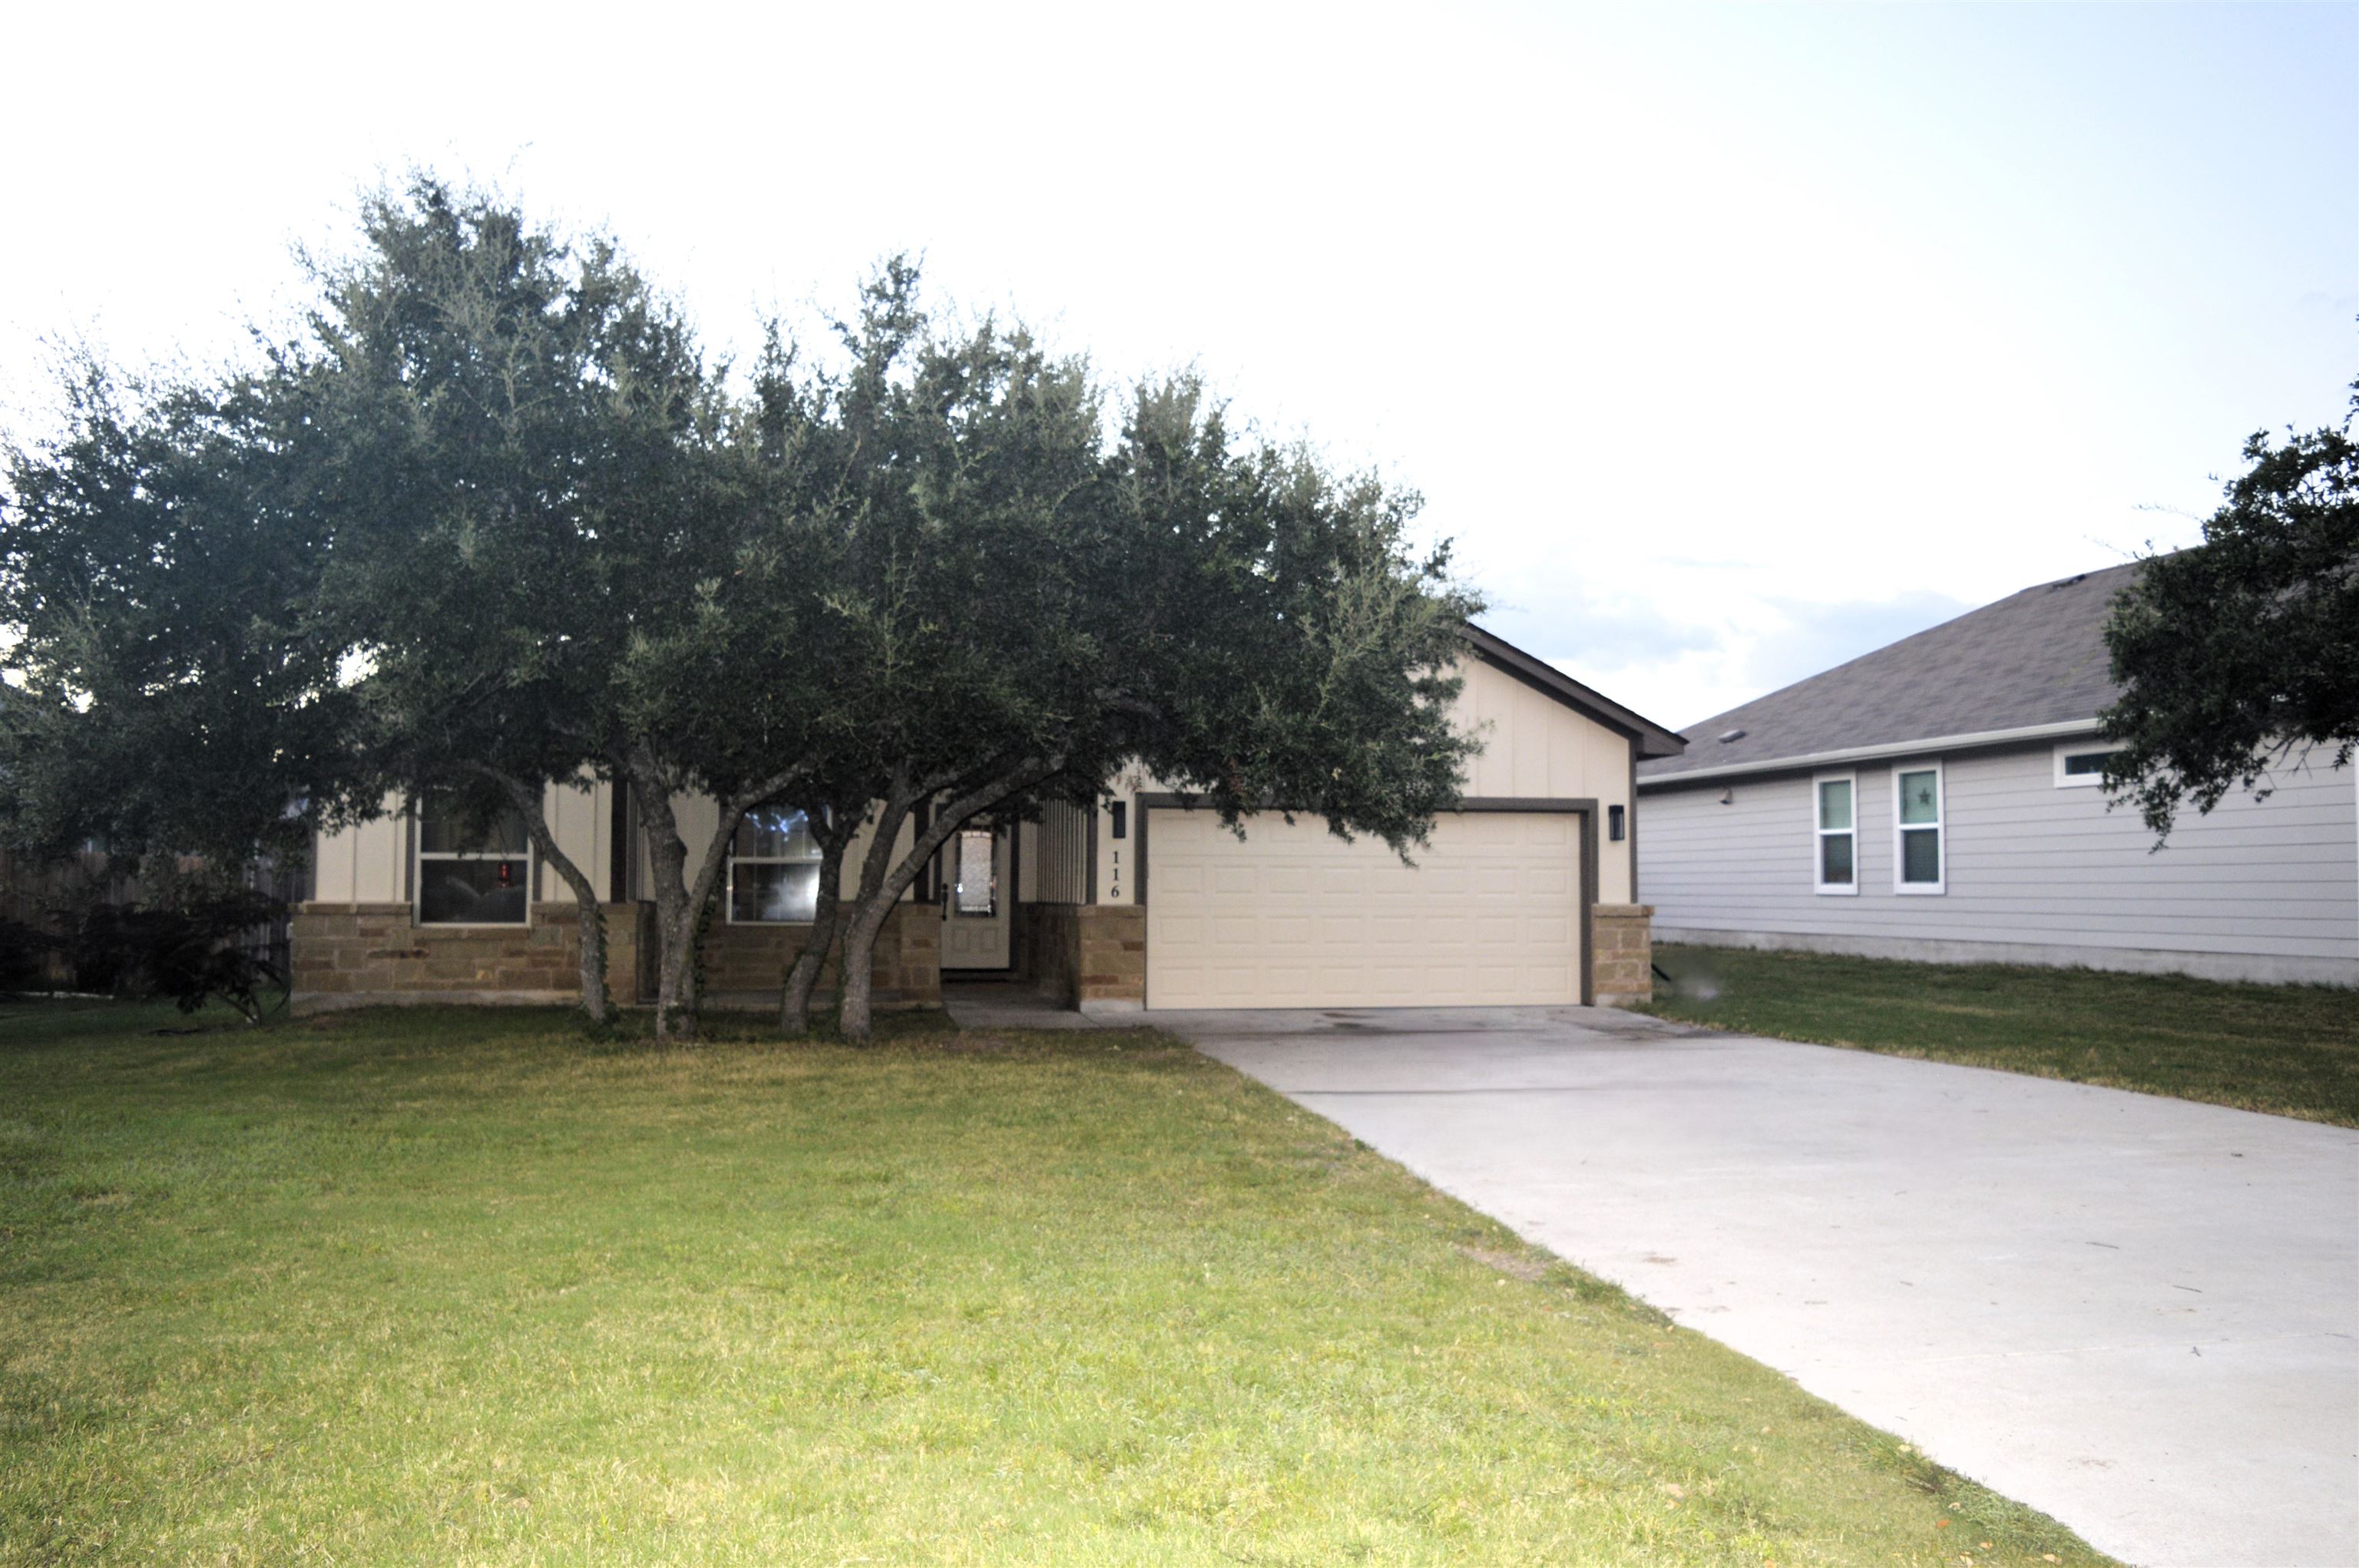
(2138, 1314)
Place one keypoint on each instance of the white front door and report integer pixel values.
(977, 885)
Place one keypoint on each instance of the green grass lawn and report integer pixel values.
(460, 1287)
(2290, 1049)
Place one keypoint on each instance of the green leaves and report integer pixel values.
(2242, 652)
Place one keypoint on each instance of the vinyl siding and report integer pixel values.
(2027, 864)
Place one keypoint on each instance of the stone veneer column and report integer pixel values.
(1624, 959)
(1110, 966)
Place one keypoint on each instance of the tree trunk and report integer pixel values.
(802, 975)
(675, 919)
(597, 1006)
(682, 906)
(856, 974)
(883, 880)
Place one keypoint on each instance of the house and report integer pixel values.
(1524, 896)
(1940, 799)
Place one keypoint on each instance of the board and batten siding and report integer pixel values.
(1534, 749)
(2262, 891)
(369, 863)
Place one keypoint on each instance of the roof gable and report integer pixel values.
(1654, 739)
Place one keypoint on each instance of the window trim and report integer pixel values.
(419, 855)
(729, 879)
(2082, 749)
(1818, 834)
(1939, 825)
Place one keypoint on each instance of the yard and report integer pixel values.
(2292, 1050)
(458, 1285)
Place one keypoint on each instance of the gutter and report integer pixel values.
(1920, 747)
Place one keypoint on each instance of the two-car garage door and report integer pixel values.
(1293, 917)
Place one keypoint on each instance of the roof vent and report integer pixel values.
(1727, 735)
(2068, 582)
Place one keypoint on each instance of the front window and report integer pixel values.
(1918, 852)
(773, 868)
(472, 871)
(1837, 834)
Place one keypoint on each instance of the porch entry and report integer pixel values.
(978, 882)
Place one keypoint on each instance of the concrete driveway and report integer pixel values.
(2137, 1314)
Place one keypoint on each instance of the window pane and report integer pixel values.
(775, 834)
(978, 888)
(1920, 798)
(2086, 762)
(441, 831)
(471, 892)
(1834, 803)
(1920, 855)
(1834, 860)
(760, 890)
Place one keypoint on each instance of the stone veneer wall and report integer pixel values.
(1080, 954)
(1624, 958)
(906, 971)
(350, 955)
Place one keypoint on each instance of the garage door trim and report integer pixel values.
(1583, 807)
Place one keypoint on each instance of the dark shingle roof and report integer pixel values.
(2035, 657)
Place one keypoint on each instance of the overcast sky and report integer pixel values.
(1728, 343)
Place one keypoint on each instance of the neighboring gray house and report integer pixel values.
(1938, 799)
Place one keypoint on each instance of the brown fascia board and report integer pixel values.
(1654, 739)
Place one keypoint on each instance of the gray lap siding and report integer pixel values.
(2027, 864)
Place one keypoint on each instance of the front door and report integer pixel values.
(976, 888)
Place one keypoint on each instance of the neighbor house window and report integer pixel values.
(2080, 764)
(1918, 852)
(472, 872)
(1835, 805)
(773, 868)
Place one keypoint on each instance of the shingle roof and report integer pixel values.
(2035, 657)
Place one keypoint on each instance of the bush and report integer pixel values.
(24, 958)
(193, 953)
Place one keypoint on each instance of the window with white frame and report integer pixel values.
(1835, 808)
(2080, 764)
(472, 872)
(773, 868)
(1919, 854)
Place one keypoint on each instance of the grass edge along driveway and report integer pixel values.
(460, 1286)
(2290, 1051)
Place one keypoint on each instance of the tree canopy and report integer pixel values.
(493, 524)
(2242, 653)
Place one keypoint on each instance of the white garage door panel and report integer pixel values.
(1293, 917)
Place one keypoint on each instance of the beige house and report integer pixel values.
(1524, 897)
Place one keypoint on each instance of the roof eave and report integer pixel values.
(1966, 742)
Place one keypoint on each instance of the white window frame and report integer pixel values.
(419, 855)
(1819, 834)
(729, 884)
(1940, 825)
(2082, 749)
